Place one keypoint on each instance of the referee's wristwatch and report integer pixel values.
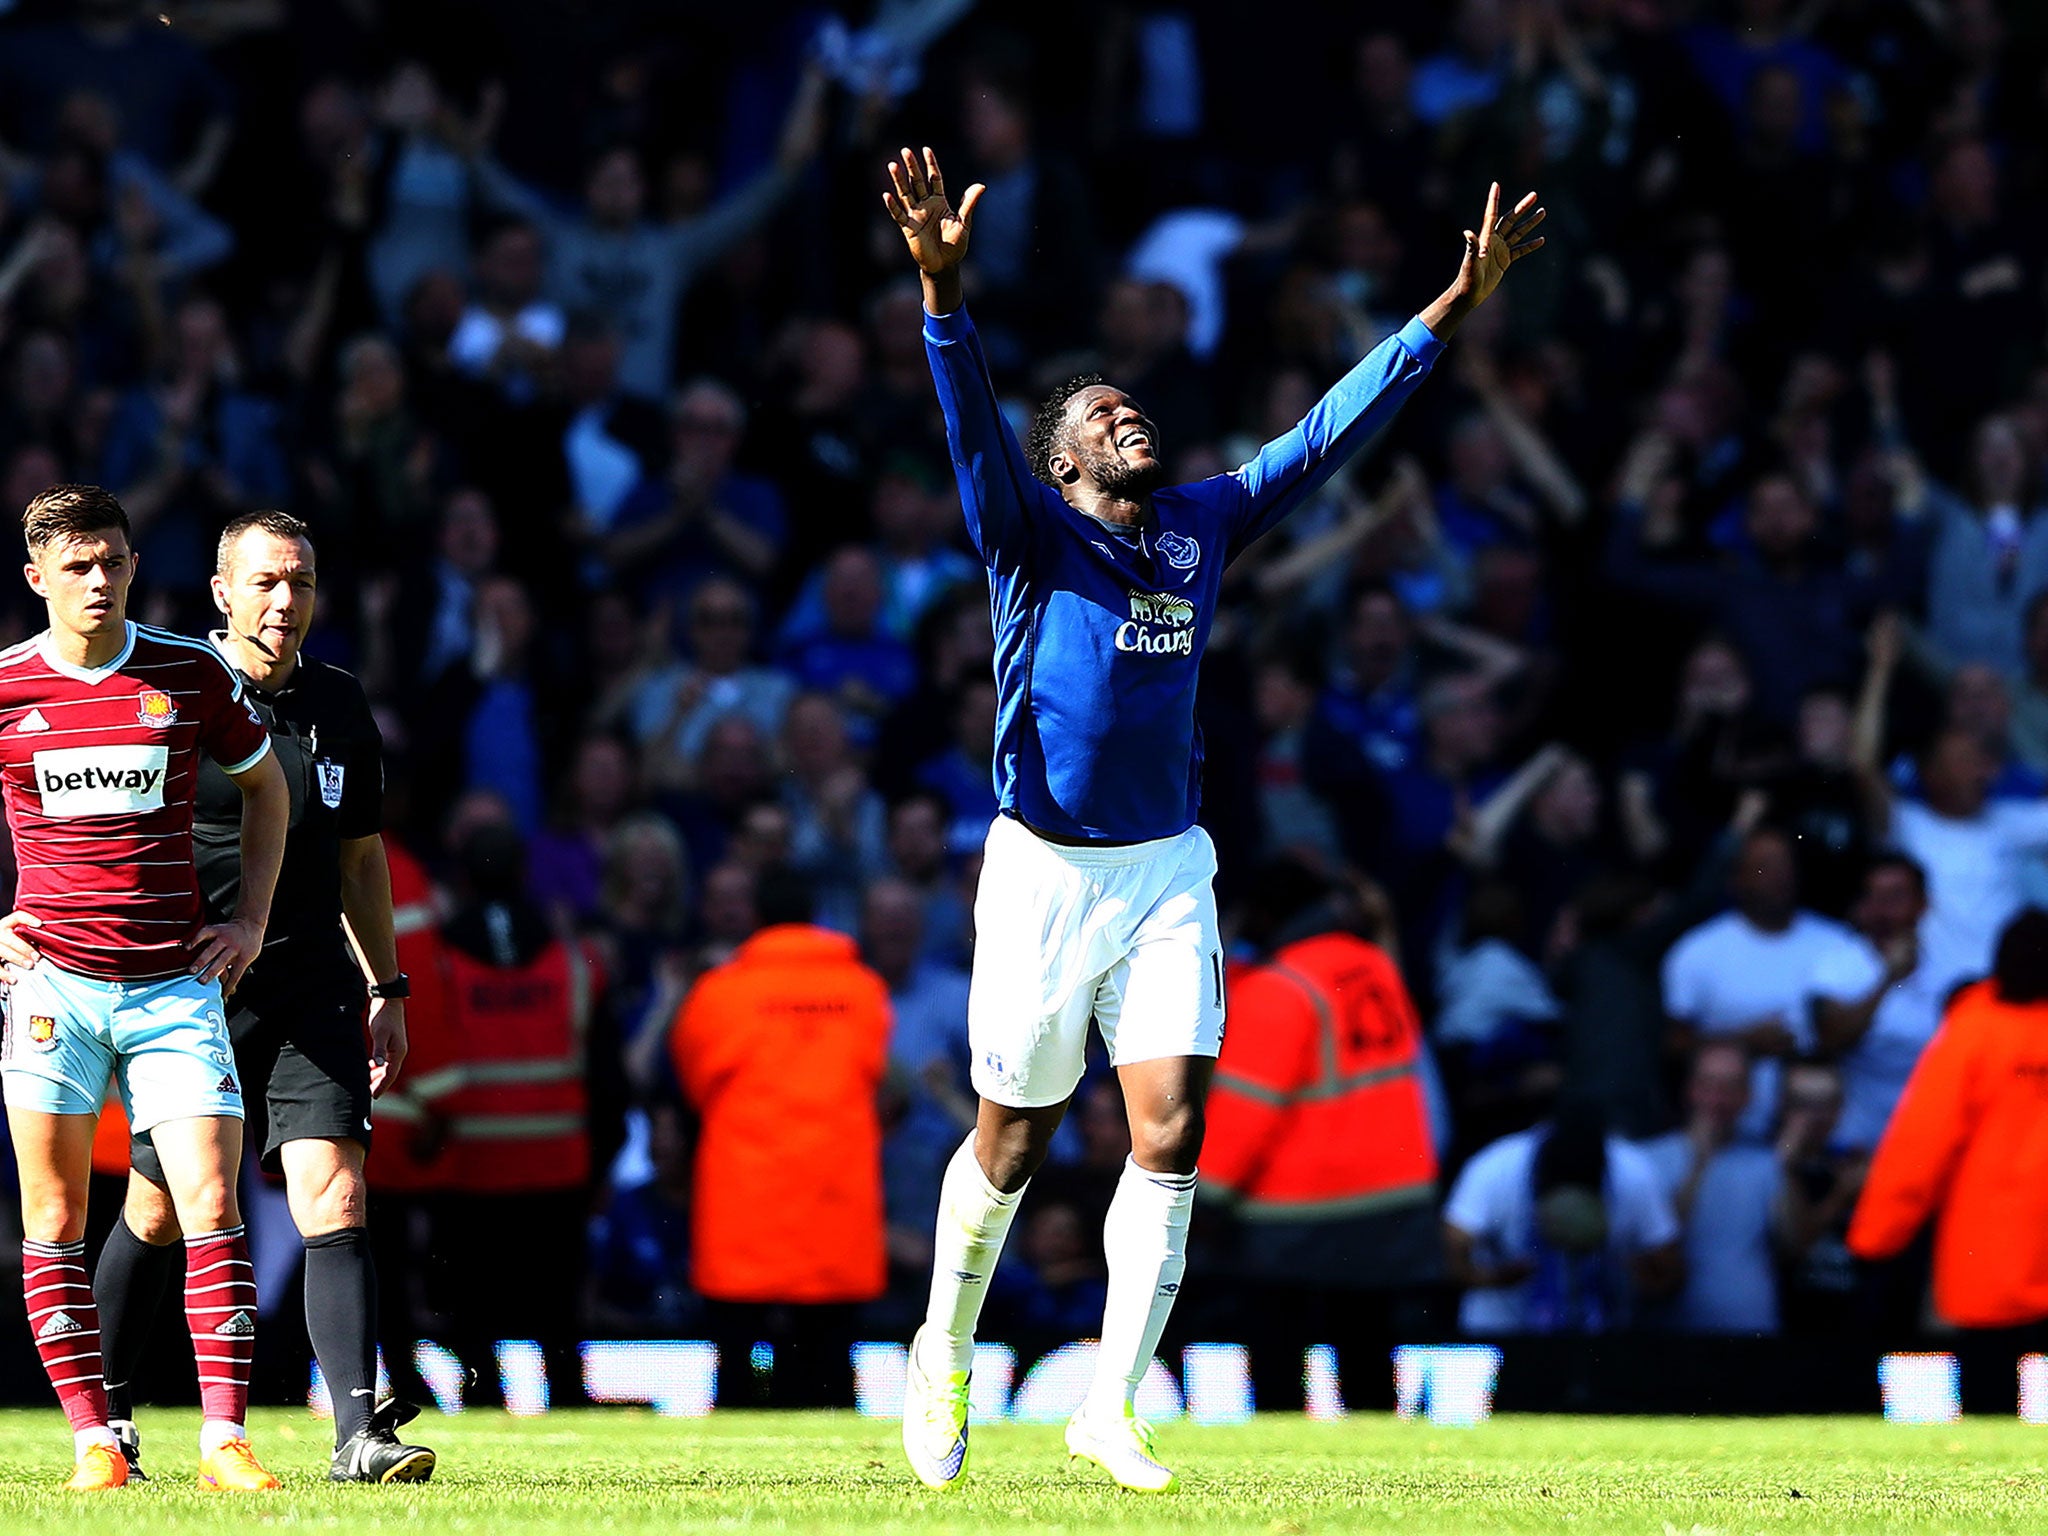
(394, 990)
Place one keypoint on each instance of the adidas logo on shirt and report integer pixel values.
(240, 1326)
(58, 1324)
(32, 721)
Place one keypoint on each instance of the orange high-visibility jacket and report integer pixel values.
(1318, 1108)
(110, 1139)
(781, 1052)
(1969, 1145)
(397, 1162)
(516, 1100)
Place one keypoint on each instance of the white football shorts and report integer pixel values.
(1125, 936)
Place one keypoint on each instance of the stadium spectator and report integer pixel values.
(1879, 999)
(1744, 976)
(678, 706)
(933, 1105)
(567, 859)
(1821, 1291)
(701, 519)
(508, 334)
(780, 1052)
(614, 261)
(1973, 848)
(1560, 1229)
(1726, 1195)
(640, 1240)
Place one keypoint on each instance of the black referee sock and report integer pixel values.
(130, 1284)
(341, 1320)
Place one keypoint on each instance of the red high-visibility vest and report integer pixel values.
(408, 1156)
(1318, 1108)
(518, 1113)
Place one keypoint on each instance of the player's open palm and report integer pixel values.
(933, 229)
(1501, 240)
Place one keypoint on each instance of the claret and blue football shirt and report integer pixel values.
(1099, 632)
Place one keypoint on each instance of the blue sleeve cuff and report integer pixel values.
(943, 330)
(1420, 340)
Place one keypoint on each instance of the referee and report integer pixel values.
(296, 1018)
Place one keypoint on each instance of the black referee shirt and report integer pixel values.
(332, 755)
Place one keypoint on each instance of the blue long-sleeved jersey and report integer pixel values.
(1099, 637)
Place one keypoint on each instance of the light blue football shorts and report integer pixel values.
(162, 1044)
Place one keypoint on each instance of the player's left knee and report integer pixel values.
(336, 1203)
(1170, 1141)
(210, 1208)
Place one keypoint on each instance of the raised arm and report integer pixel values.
(1293, 467)
(694, 243)
(998, 492)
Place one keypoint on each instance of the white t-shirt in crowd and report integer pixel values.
(1875, 1069)
(1976, 872)
(1728, 974)
(1731, 1277)
(1494, 1204)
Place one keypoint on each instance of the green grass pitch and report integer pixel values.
(625, 1471)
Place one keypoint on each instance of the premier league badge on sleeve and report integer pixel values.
(330, 783)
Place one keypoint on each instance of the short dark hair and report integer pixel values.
(270, 520)
(783, 896)
(1049, 424)
(1906, 864)
(2021, 966)
(71, 512)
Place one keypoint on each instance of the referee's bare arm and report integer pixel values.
(366, 914)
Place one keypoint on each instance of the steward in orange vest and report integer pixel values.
(407, 1164)
(409, 1159)
(781, 1052)
(1319, 1141)
(531, 1100)
(1968, 1145)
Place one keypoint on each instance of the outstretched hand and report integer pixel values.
(1501, 240)
(933, 229)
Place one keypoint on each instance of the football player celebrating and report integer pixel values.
(113, 972)
(1096, 898)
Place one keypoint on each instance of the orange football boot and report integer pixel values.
(232, 1467)
(100, 1467)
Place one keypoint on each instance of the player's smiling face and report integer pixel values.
(267, 592)
(85, 581)
(1111, 443)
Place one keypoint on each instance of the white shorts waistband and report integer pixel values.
(1096, 855)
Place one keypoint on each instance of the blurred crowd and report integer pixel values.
(1667, 693)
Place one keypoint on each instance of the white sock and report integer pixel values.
(92, 1434)
(215, 1433)
(1145, 1239)
(974, 1218)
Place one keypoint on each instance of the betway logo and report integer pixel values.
(1160, 625)
(101, 781)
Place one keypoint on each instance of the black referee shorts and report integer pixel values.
(304, 1063)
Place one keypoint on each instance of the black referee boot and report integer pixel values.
(129, 1438)
(375, 1454)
